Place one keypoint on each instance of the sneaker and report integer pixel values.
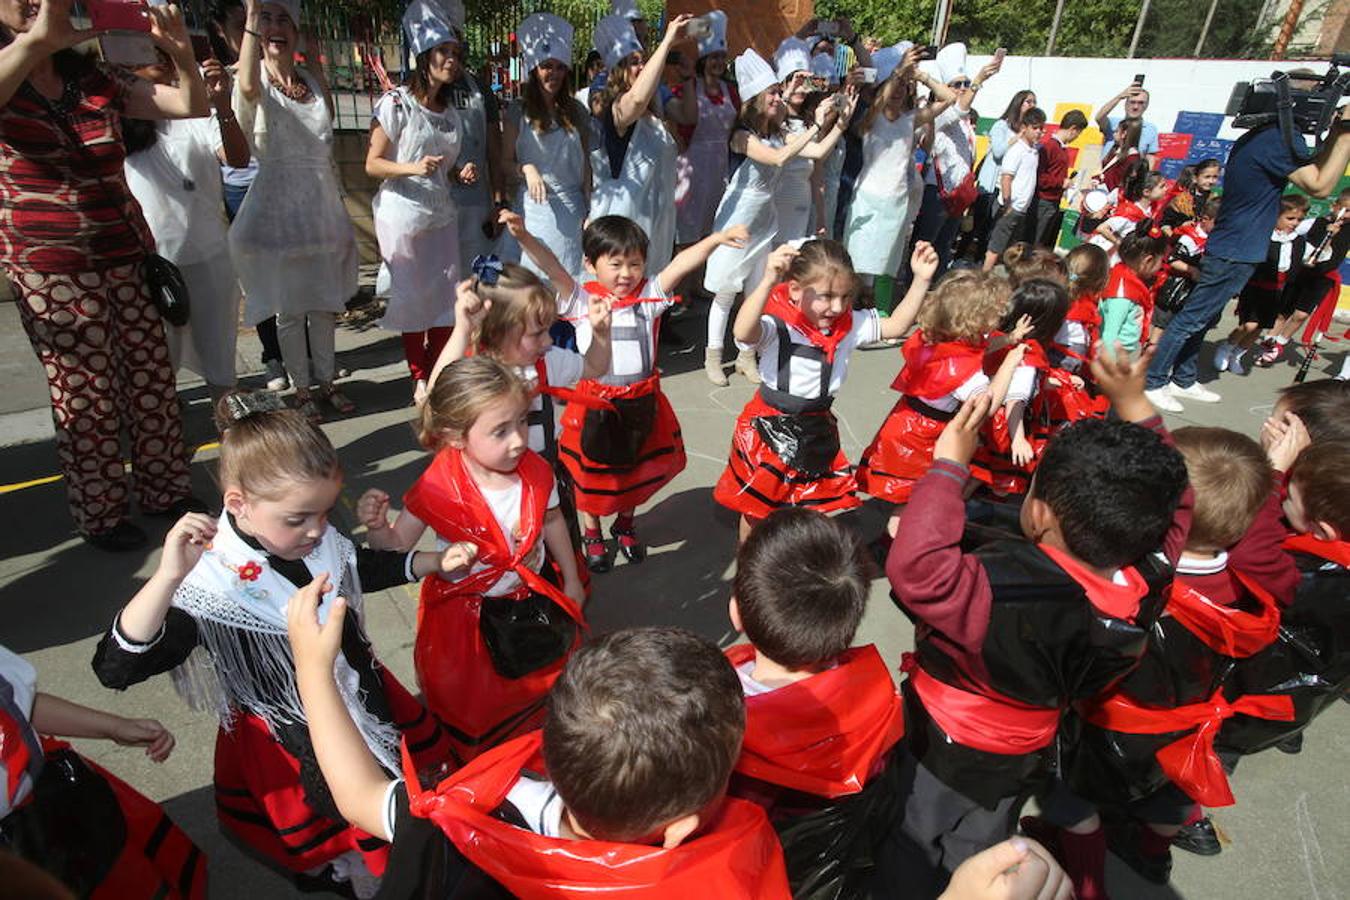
(276, 375)
(1162, 399)
(1223, 354)
(1196, 391)
(1271, 351)
(1235, 364)
(1199, 838)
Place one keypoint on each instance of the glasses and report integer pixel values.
(960, 85)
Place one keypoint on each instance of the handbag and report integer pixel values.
(958, 199)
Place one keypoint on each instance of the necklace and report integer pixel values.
(299, 91)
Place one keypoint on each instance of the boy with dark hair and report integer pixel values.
(1322, 407)
(822, 716)
(1016, 186)
(1145, 748)
(1012, 632)
(621, 794)
(1052, 175)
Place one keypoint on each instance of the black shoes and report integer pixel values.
(1199, 838)
(121, 538)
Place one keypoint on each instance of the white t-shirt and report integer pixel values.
(505, 506)
(953, 147)
(972, 386)
(626, 355)
(1020, 162)
(1074, 336)
(563, 369)
(539, 804)
(1023, 384)
(805, 372)
(749, 685)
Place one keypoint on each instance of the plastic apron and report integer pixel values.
(794, 196)
(831, 173)
(472, 202)
(292, 241)
(748, 201)
(644, 191)
(416, 224)
(879, 216)
(557, 222)
(703, 167)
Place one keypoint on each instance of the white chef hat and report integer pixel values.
(792, 55)
(616, 40)
(545, 36)
(823, 66)
(453, 11)
(292, 8)
(716, 41)
(753, 75)
(627, 9)
(951, 63)
(425, 26)
(888, 59)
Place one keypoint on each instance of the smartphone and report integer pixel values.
(1139, 79)
(130, 50)
(928, 53)
(869, 74)
(1000, 53)
(201, 48)
(119, 15)
(698, 28)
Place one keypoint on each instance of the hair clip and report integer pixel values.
(240, 406)
(1074, 276)
(1155, 232)
(487, 269)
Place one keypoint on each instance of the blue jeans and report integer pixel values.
(1179, 348)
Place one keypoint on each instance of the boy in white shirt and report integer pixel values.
(1016, 185)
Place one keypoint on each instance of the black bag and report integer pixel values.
(808, 442)
(524, 636)
(1173, 294)
(615, 437)
(168, 289)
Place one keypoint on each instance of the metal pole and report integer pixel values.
(1287, 29)
(1054, 27)
(1204, 32)
(942, 17)
(1138, 29)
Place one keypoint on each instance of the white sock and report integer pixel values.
(718, 316)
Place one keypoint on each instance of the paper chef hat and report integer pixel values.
(753, 75)
(888, 59)
(822, 66)
(453, 10)
(292, 8)
(627, 9)
(716, 42)
(616, 40)
(792, 55)
(545, 36)
(951, 63)
(426, 27)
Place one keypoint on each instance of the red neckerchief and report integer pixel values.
(826, 734)
(14, 753)
(736, 856)
(596, 289)
(1225, 629)
(935, 370)
(448, 499)
(1337, 552)
(1119, 601)
(1192, 231)
(1135, 290)
(1128, 209)
(780, 306)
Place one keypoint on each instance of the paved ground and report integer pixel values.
(57, 596)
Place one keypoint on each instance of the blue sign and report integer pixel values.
(1199, 124)
(1171, 167)
(1207, 147)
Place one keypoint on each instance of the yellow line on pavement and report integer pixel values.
(49, 479)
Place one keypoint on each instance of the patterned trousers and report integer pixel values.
(101, 343)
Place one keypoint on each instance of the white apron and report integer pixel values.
(415, 221)
(796, 205)
(831, 173)
(644, 190)
(472, 202)
(292, 241)
(748, 201)
(879, 215)
(560, 157)
(702, 168)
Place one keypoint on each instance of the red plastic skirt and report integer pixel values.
(605, 488)
(759, 479)
(900, 454)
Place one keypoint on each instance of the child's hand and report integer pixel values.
(1023, 328)
(534, 184)
(779, 261)
(924, 261)
(599, 312)
(1017, 869)
(469, 307)
(148, 733)
(576, 593)
(373, 510)
(185, 543)
(514, 222)
(1121, 379)
(959, 439)
(735, 236)
(468, 174)
(426, 165)
(1283, 440)
(849, 105)
(458, 557)
(1022, 451)
(314, 646)
(1077, 382)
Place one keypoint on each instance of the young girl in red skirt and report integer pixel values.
(944, 366)
(214, 613)
(785, 449)
(620, 439)
(1088, 269)
(495, 626)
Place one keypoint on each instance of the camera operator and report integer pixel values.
(1261, 163)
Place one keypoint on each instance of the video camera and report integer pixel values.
(1314, 112)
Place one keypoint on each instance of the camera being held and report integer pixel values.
(1275, 100)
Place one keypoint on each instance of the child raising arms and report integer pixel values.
(495, 626)
(222, 586)
(800, 321)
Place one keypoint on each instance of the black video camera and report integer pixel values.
(1310, 111)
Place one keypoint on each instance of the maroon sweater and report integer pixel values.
(1051, 170)
(1258, 556)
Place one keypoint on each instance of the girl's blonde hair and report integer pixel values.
(820, 260)
(895, 83)
(265, 447)
(1089, 269)
(754, 117)
(519, 300)
(462, 392)
(1025, 261)
(966, 306)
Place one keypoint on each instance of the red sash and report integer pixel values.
(1337, 552)
(1225, 629)
(1135, 290)
(935, 370)
(451, 503)
(827, 734)
(1198, 237)
(1119, 601)
(1321, 318)
(986, 721)
(1190, 762)
(14, 753)
(736, 856)
(780, 306)
(1128, 209)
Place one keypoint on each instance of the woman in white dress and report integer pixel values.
(546, 136)
(761, 152)
(888, 191)
(634, 167)
(173, 170)
(292, 240)
(415, 139)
